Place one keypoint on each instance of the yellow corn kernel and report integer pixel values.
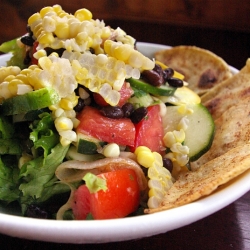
(26, 71)
(141, 148)
(108, 46)
(57, 8)
(49, 24)
(179, 135)
(4, 90)
(63, 123)
(111, 150)
(10, 70)
(145, 158)
(37, 30)
(83, 14)
(31, 67)
(65, 142)
(35, 17)
(12, 86)
(179, 148)
(9, 78)
(45, 10)
(23, 78)
(169, 139)
(45, 38)
(155, 192)
(66, 104)
(106, 32)
(122, 52)
(69, 135)
(153, 202)
(135, 59)
(40, 53)
(45, 63)
(62, 30)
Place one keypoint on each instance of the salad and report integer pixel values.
(90, 127)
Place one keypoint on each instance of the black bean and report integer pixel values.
(168, 164)
(80, 105)
(153, 77)
(138, 114)
(112, 112)
(34, 211)
(158, 69)
(128, 109)
(27, 40)
(168, 73)
(175, 82)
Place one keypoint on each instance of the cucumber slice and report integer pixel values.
(163, 90)
(72, 154)
(200, 132)
(141, 99)
(88, 145)
(34, 100)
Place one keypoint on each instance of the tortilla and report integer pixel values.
(232, 130)
(191, 186)
(228, 93)
(202, 69)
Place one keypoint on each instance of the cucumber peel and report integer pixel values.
(34, 100)
(163, 90)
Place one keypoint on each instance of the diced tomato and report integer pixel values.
(119, 200)
(149, 131)
(33, 59)
(125, 92)
(92, 122)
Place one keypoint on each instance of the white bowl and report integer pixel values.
(101, 231)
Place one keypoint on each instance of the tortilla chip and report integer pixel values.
(191, 186)
(202, 69)
(228, 93)
(232, 130)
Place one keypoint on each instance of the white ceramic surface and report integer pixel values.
(127, 228)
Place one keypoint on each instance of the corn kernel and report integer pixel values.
(63, 123)
(65, 104)
(122, 52)
(45, 10)
(62, 30)
(46, 38)
(111, 150)
(49, 24)
(33, 18)
(135, 59)
(169, 139)
(145, 158)
(83, 14)
(45, 63)
(69, 135)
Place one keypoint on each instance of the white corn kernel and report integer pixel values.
(111, 150)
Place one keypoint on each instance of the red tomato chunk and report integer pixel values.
(149, 131)
(92, 122)
(119, 200)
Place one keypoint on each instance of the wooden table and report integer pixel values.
(228, 228)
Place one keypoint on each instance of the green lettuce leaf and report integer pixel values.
(18, 53)
(9, 179)
(44, 134)
(38, 178)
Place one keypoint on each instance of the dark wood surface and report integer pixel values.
(228, 228)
